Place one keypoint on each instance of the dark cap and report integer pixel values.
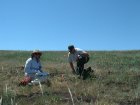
(70, 47)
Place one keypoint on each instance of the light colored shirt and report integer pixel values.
(32, 66)
(73, 57)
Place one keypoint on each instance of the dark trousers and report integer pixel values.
(80, 64)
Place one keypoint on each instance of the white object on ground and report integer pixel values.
(40, 77)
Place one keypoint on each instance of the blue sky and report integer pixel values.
(54, 24)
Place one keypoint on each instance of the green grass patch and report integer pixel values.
(115, 81)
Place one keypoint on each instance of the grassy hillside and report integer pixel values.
(116, 80)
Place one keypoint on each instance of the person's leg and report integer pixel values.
(80, 65)
(80, 68)
(42, 76)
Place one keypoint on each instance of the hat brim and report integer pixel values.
(36, 52)
(40, 53)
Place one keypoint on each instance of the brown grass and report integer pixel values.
(115, 80)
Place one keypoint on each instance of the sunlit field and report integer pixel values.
(115, 80)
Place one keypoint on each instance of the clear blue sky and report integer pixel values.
(54, 24)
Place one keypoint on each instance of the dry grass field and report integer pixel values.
(115, 81)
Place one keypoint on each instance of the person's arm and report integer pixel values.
(70, 60)
(28, 67)
(72, 67)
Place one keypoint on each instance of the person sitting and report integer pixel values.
(33, 68)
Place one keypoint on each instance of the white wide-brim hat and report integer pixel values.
(37, 52)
